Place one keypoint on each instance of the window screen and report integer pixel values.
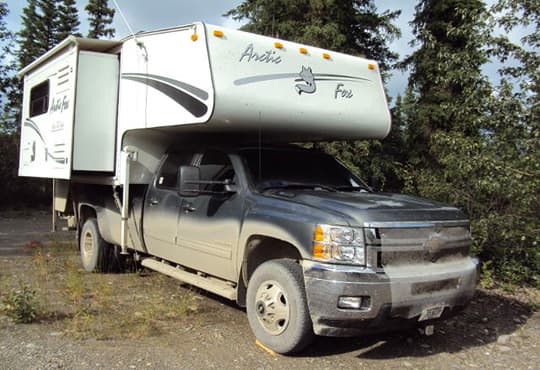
(39, 99)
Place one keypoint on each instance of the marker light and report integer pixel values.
(194, 37)
(303, 50)
(278, 45)
(371, 66)
(218, 33)
(326, 55)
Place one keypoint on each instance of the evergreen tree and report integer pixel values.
(446, 77)
(67, 20)
(47, 25)
(352, 26)
(100, 18)
(6, 67)
(29, 48)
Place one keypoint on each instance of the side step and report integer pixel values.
(210, 284)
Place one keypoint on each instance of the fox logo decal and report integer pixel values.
(306, 74)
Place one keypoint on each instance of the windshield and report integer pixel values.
(281, 168)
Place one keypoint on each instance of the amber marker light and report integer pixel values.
(371, 66)
(218, 33)
(303, 50)
(278, 45)
(320, 249)
(194, 37)
(326, 55)
(319, 234)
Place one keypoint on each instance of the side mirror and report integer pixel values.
(189, 178)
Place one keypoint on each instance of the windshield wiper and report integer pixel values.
(351, 188)
(295, 185)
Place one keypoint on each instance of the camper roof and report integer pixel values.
(79, 42)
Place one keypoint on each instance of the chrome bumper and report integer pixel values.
(397, 297)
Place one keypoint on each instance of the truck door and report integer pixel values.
(209, 223)
(162, 208)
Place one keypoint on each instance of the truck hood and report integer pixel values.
(359, 208)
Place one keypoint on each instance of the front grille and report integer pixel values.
(414, 245)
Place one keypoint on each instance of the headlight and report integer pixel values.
(339, 244)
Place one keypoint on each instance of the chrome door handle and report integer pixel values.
(188, 208)
(154, 202)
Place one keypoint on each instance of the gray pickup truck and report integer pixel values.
(292, 235)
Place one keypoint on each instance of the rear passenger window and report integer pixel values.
(216, 166)
(168, 174)
(39, 99)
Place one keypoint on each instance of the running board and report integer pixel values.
(210, 284)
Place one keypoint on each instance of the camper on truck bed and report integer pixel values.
(170, 148)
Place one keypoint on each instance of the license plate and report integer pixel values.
(431, 312)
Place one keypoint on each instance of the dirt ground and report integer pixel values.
(148, 321)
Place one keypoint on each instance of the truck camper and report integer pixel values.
(173, 148)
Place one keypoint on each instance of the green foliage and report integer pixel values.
(67, 19)
(22, 305)
(100, 18)
(353, 26)
(45, 23)
(445, 83)
(474, 146)
(8, 82)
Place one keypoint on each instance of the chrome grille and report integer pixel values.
(414, 245)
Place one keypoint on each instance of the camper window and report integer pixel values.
(39, 99)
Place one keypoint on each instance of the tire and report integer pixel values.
(277, 308)
(96, 254)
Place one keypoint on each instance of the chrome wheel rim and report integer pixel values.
(87, 246)
(272, 307)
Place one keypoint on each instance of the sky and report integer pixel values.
(144, 15)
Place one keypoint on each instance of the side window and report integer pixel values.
(216, 166)
(39, 99)
(168, 174)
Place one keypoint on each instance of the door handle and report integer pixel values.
(188, 207)
(154, 202)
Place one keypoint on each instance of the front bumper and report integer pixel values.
(396, 298)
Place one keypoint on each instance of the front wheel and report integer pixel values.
(96, 254)
(277, 308)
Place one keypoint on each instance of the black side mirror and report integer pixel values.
(189, 178)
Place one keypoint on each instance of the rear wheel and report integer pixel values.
(96, 254)
(276, 306)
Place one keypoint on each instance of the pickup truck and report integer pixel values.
(291, 234)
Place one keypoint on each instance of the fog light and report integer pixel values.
(354, 303)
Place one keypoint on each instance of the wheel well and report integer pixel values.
(85, 212)
(260, 249)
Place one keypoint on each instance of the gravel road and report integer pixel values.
(499, 330)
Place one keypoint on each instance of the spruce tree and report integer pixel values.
(100, 18)
(47, 25)
(445, 70)
(67, 20)
(352, 26)
(6, 68)
(27, 38)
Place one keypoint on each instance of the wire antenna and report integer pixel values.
(124, 18)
